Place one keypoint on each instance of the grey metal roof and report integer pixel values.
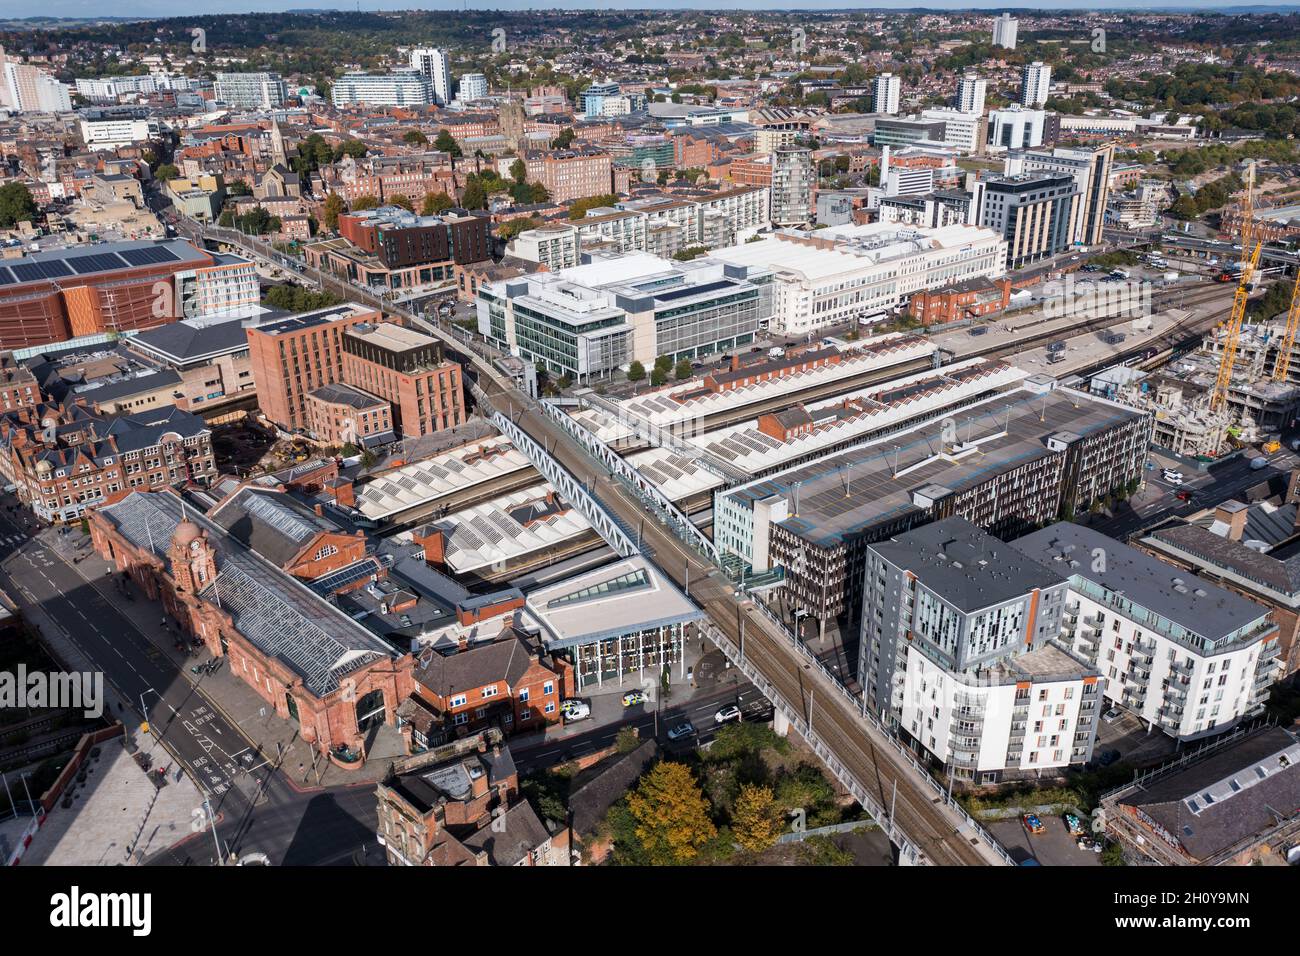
(182, 342)
(279, 615)
(339, 394)
(966, 566)
(1221, 554)
(1199, 606)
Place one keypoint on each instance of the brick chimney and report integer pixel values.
(1233, 514)
(434, 543)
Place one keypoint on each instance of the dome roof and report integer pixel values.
(186, 532)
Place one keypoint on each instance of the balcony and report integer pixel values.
(1184, 668)
(1095, 621)
(1177, 691)
(1272, 650)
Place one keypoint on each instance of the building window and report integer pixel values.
(490, 691)
(458, 700)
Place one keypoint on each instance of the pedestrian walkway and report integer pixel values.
(274, 737)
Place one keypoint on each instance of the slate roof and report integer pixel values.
(505, 660)
(511, 837)
(1224, 554)
(1245, 784)
(183, 342)
(272, 523)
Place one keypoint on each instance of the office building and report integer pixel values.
(971, 89)
(339, 415)
(294, 356)
(434, 66)
(608, 99)
(399, 88)
(965, 132)
(1187, 657)
(885, 91)
(588, 321)
(1035, 84)
(473, 86)
(251, 91)
(794, 179)
(1016, 128)
(1033, 212)
(407, 369)
(958, 651)
(850, 273)
(1004, 31)
(1013, 461)
(113, 132)
(1090, 169)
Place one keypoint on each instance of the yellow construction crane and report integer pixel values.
(1232, 328)
(1282, 364)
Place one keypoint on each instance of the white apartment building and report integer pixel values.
(399, 88)
(886, 89)
(553, 246)
(959, 652)
(251, 91)
(794, 180)
(1035, 84)
(843, 273)
(473, 86)
(971, 89)
(659, 223)
(32, 90)
(1186, 656)
(1005, 28)
(435, 67)
(112, 133)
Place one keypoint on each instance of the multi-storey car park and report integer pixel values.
(1008, 464)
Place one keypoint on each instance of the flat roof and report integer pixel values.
(966, 566)
(843, 493)
(305, 320)
(1201, 607)
(388, 335)
(625, 597)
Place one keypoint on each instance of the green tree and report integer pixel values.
(518, 171)
(663, 363)
(658, 377)
(753, 821)
(671, 815)
(683, 370)
(446, 143)
(350, 147)
(473, 197)
(565, 138)
(436, 203)
(415, 138)
(401, 200)
(165, 172)
(16, 204)
(333, 206)
(635, 372)
(579, 208)
(362, 203)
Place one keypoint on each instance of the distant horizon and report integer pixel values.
(164, 9)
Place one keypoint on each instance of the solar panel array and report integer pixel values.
(338, 580)
(35, 271)
(149, 255)
(99, 262)
(6, 277)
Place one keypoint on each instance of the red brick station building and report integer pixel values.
(307, 659)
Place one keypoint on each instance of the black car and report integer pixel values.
(1108, 757)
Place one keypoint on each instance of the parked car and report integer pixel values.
(681, 731)
(575, 709)
(727, 714)
(1032, 823)
(1110, 716)
(1108, 757)
(633, 697)
(1183, 495)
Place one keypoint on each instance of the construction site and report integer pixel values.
(1240, 386)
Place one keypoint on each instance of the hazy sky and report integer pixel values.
(173, 8)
